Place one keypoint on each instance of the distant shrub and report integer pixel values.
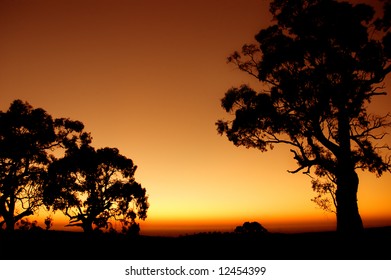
(48, 222)
(251, 228)
(26, 225)
(130, 228)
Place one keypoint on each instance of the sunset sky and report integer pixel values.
(146, 77)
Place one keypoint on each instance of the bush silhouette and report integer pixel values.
(251, 228)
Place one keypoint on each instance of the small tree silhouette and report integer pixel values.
(130, 228)
(92, 186)
(251, 228)
(48, 222)
(26, 225)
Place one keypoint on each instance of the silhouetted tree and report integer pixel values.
(326, 195)
(26, 225)
(250, 228)
(28, 140)
(321, 64)
(48, 222)
(92, 186)
(131, 228)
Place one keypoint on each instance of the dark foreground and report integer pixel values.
(374, 244)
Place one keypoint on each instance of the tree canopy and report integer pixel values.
(322, 63)
(28, 139)
(93, 186)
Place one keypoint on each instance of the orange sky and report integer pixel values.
(147, 76)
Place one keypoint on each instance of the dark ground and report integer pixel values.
(374, 244)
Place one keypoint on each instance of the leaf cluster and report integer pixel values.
(321, 66)
(28, 138)
(93, 186)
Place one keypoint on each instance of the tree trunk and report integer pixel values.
(348, 218)
(8, 218)
(9, 224)
(87, 227)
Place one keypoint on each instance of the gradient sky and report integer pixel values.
(147, 76)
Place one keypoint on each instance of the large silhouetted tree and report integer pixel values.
(28, 140)
(93, 186)
(322, 62)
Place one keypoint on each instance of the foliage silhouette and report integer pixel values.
(29, 139)
(26, 225)
(93, 186)
(322, 63)
(48, 222)
(251, 228)
(131, 228)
